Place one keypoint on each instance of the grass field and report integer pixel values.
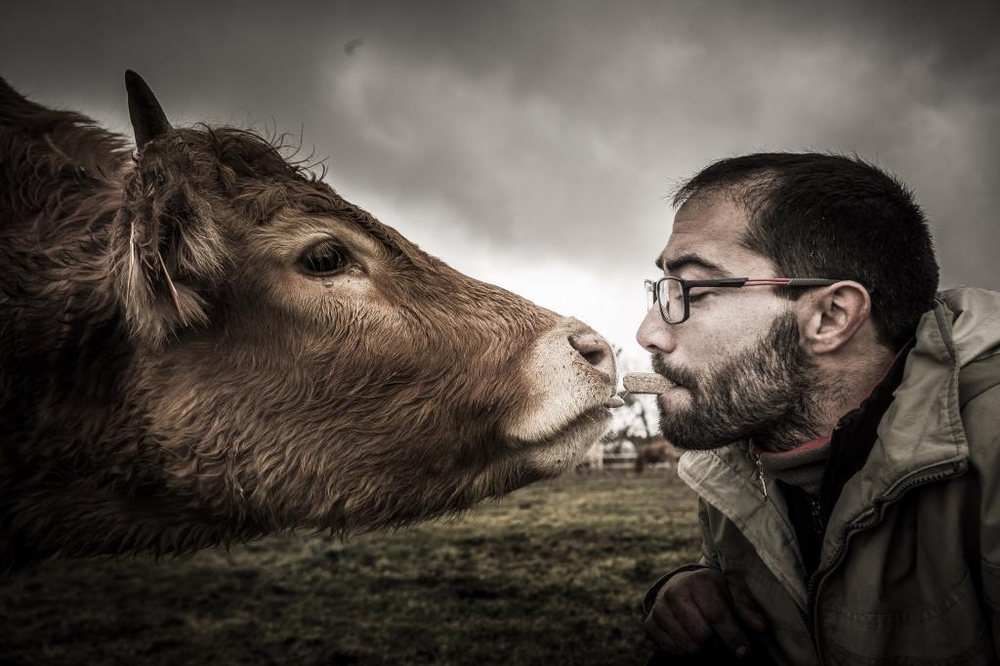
(552, 574)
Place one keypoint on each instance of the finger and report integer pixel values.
(748, 611)
(720, 615)
(692, 620)
(666, 618)
(660, 637)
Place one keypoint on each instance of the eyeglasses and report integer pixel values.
(674, 293)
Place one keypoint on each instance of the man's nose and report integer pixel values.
(654, 334)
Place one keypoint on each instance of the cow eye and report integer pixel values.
(324, 259)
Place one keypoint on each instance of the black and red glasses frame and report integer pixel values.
(674, 291)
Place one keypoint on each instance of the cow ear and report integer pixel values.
(145, 112)
(168, 253)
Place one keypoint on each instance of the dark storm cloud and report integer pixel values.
(558, 128)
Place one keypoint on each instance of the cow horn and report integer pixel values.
(146, 114)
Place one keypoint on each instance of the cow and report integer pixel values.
(202, 343)
(657, 452)
(593, 459)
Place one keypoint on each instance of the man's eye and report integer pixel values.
(696, 295)
(325, 258)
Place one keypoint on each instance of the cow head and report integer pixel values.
(299, 364)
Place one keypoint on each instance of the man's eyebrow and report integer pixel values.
(685, 261)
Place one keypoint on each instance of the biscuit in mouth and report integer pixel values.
(646, 382)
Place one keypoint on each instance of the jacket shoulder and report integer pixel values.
(978, 377)
(979, 400)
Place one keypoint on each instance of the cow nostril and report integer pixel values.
(594, 350)
(594, 357)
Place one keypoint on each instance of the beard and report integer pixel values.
(765, 393)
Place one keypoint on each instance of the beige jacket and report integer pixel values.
(910, 565)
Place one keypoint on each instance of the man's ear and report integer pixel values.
(831, 316)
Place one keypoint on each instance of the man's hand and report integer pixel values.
(695, 609)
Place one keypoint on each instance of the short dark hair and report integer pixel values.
(833, 216)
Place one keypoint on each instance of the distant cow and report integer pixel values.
(593, 459)
(655, 453)
(201, 342)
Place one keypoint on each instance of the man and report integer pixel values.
(840, 421)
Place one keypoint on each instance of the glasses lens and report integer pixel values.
(671, 299)
(668, 292)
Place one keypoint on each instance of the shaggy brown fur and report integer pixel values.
(174, 374)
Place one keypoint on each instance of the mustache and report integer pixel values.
(678, 376)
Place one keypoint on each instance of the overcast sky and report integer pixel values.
(534, 144)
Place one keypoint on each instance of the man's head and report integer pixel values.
(823, 215)
(754, 361)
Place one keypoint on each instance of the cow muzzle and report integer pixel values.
(569, 378)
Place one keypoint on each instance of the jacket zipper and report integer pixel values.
(816, 512)
(872, 519)
(760, 474)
